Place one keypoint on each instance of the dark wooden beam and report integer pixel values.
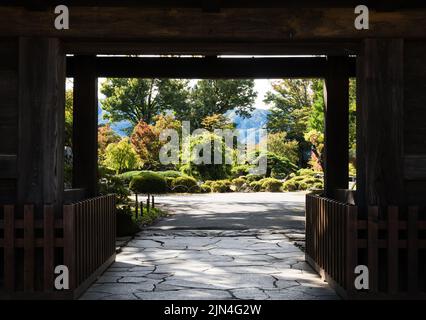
(230, 24)
(41, 122)
(373, 4)
(200, 68)
(380, 119)
(205, 48)
(336, 140)
(85, 125)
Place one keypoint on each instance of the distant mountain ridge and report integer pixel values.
(258, 120)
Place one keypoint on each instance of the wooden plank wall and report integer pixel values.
(8, 120)
(414, 121)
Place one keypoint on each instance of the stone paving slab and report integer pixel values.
(215, 264)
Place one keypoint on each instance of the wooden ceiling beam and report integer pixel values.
(211, 68)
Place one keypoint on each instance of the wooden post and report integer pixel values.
(41, 122)
(380, 123)
(85, 126)
(136, 206)
(152, 202)
(336, 140)
(147, 204)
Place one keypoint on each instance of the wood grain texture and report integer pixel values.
(41, 121)
(85, 126)
(380, 123)
(251, 24)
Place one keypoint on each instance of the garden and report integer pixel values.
(134, 114)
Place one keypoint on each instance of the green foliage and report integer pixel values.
(240, 170)
(254, 177)
(221, 186)
(148, 183)
(281, 146)
(239, 183)
(137, 100)
(277, 167)
(209, 97)
(110, 183)
(126, 226)
(304, 179)
(271, 185)
(185, 184)
(68, 117)
(121, 156)
(205, 188)
(170, 174)
(255, 186)
(203, 170)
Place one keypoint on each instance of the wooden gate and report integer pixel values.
(82, 238)
(390, 241)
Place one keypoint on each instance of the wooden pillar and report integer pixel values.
(85, 126)
(41, 122)
(336, 140)
(380, 123)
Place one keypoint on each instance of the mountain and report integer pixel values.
(258, 120)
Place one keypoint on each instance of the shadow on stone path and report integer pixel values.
(166, 263)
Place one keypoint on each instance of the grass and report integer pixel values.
(147, 217)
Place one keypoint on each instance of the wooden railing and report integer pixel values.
(91, 226)
(389, 241)
(82, 238)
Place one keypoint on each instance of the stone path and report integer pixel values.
(215, 264)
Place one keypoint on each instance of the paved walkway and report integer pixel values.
(234, 259)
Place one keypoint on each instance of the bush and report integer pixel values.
(221, 186)
(205, 188)
(169, 183)
(185, 184)
(110, 183)
(271, 185)
(255, 186)
(148, 183)
(303, 179)
(238, 183)
(240, 170)
(126, 226)
(254, 177)
(170, 174)
(129, 175)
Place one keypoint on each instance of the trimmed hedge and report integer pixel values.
(185, 184)
(271, 185)
(148, 183)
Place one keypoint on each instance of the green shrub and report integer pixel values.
(189, 170)
(205, 188)
(271, 185)
(255, 186)
(254, 177)
(170, 174)
(110, 183)
(129, 175)
(290, 185)
(303, 179)
(240, 170)
(169, 183)
(148, 183)
(184, 184)
(238, 183)
(126, 226)
(221, 186)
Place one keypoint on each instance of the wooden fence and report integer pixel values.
(82, 238)
(390, 241)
